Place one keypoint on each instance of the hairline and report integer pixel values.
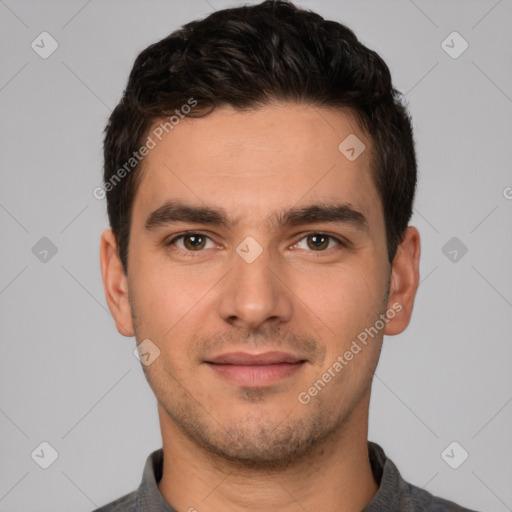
(352, 112)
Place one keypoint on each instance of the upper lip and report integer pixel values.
(262, 359)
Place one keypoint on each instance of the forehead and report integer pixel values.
(259, 162)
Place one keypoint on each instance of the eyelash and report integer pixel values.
(193, 254)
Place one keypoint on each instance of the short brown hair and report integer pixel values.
(246, 57)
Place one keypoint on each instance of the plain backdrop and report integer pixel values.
(69, 379)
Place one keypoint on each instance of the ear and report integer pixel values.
(115, 283)
(404, 282)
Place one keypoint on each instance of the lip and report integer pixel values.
(261, 359)
(255, 370)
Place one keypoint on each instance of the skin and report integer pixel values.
(233, 447)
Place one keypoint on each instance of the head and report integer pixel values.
(260, 175)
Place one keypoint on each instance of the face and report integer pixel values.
(257, 263)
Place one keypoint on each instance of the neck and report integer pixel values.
(336, 476)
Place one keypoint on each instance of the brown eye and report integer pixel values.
(193, 242)
(318, 242)
(190, 242)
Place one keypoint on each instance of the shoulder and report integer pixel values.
(423, 501)
(397, 494)
(125, 503)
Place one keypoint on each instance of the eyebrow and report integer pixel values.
(172, 212)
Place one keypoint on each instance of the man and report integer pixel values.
(260, 175)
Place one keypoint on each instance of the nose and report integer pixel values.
(255, 293)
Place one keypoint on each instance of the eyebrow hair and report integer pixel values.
(175, 211)
(323, 212)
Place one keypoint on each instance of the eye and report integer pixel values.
(319, 242)
(190, 242)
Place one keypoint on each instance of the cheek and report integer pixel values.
(173, 302)
(346, 298)
(162, 296)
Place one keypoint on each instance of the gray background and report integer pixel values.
(67, 377)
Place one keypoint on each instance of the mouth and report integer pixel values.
(255, 370)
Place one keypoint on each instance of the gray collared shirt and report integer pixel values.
(394, 494)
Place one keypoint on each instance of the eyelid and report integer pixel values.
(175, 237)
(337, 238)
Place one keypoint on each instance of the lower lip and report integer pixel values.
(256, 376)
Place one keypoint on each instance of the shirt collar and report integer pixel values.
(149, 497)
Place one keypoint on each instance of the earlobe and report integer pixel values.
(115, 283)
(404, 282)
